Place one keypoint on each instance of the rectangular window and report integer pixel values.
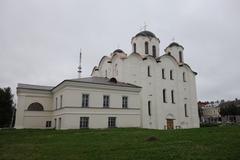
(85, 100)
(171, 74)
(84, 121)
(149, 108)
(185, 110)
(48, 124)
(149, 71)
(172, 96)
(105, 101)
(56, 102)
(124, 102)
(61, 99)
(111, 122)
(163, 74)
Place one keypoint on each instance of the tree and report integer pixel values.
(230, 109)
(6, 107)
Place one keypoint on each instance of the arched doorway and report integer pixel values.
(170, 121)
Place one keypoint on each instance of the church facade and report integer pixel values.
(141, 89)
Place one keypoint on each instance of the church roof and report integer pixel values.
(146, 34)
(103, 81)
(174, 44)
(34, 87)
(118, 50)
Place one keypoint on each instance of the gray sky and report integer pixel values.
(40, 39)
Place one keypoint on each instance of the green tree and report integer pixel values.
(6, 107)
(230, 109)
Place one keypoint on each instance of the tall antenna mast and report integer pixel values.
(80, 63)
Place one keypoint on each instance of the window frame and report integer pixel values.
(84, 122)
(106, 101)
(85, 100)
(125, 102)
(112, 122)
(48, 124)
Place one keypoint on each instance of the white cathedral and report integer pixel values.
(141, 89)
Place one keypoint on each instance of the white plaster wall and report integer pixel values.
(25, 98)
(98, 118)
(134, 70)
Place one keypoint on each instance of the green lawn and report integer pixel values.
(205, 143)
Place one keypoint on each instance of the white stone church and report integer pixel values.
(141, 89)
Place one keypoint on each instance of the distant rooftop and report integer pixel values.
(104, 81)
(93, 80)
(37, 87)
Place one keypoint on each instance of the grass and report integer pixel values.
(217, 143)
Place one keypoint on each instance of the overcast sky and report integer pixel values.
(40, 39)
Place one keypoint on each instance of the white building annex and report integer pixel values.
(141, 89)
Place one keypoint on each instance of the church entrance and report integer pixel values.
(170, 124)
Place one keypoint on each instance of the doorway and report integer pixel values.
(170, 124)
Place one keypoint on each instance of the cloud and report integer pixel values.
(40, 40)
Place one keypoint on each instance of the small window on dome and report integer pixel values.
(180, 57)
(134, 48)
(154, 51)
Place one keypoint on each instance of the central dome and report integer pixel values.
(146, 34)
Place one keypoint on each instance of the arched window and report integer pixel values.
(154, 51)
(184, 77)
(185, 110)
(180, 57)
(146, 47)
(105, 73)
(164, 96)
(149, 71)
(149, 108)
(171, 74)
(35, 107)
(134, 48)
(172, 96)
(163, 73)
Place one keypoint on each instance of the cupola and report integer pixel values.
(176, 50)
(145, 43)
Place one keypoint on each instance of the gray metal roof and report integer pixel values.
(104, 81)
(36, 87)
(93, 80)
(146, 34)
